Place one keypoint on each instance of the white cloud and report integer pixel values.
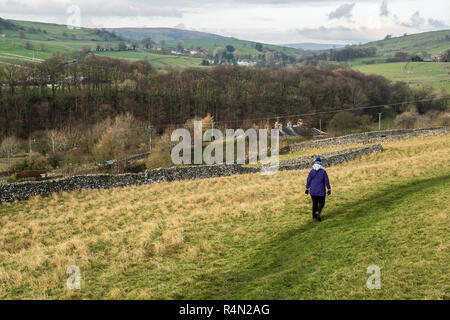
(384, 10)
(89, 8)
(437, 23)
(343, 11)
(338, 33)
(274, 21)
(415, 21)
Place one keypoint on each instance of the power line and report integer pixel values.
(320, 112)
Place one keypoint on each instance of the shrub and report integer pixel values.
(406, 120)
(119, 140)
(346, 123)
(160, 156)
(34, 162)
(443, 119)
(54, 160)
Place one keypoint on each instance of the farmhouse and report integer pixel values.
(246, 63)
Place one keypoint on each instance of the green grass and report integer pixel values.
(58, 38)
(242, 47)
(242, 237)
(433, 43)
(159, 61)
(435, 75)
(3, 166)
(367, 61)
(370, 230)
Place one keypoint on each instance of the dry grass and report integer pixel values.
(202, 239)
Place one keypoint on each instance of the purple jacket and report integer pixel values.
(317, 180)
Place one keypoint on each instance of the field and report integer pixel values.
(159, 61)
(435, 75)
(242, 237)
(58, 38)
(242, 47)
(433, 43)
(49, 38)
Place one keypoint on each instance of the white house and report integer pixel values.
(246, 63)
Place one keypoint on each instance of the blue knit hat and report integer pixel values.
(318, 160)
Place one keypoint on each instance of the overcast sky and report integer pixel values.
(271, 21)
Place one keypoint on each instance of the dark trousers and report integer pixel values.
(318, 204)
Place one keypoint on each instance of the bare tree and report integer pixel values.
(9, 147)
(56, 140)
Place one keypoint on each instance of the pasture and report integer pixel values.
(435, 75)
(242, 237)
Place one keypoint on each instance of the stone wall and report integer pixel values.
(25, 190)
(330, 158)
(368, 137)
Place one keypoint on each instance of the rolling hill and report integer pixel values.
(166, 34)
(313, 46)
(423, 44)
(196, 39)
(34, 41)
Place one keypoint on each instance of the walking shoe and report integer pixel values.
(314, 215)
(318, 216)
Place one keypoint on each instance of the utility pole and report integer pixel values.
(320, 124)
(379, 120)
(150, 139)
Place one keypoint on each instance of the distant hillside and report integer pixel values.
(7, 25)
(423, 44)
(28, 41)
(167, 34)
(313, 46)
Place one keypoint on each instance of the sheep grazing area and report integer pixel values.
(246, 236)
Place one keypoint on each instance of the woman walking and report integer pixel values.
(315, 186)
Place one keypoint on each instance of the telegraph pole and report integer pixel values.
(150, 139)
(379, 120)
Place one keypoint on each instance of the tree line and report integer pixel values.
(56, 94)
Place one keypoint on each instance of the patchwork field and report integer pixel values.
(435, 75)
(159, 61)
(243, 237)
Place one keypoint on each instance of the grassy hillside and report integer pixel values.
(36, 41)
(433, 43)
(199, 39)
(46, 38)
(159, 61)
(242, 46)
(167, 34)
(242, 237)
(435, 75)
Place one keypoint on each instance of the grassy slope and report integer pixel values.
(247, 236)
(422, 74)
(60, 39)
(157, 60)
(242, 47)
(12, 49)
(57, 39)
(432, 42)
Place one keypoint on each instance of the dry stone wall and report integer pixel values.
(25, 190)
(368, 137)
